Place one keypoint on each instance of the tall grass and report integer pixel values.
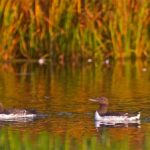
(74, 30)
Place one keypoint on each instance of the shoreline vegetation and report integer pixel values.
(74, 30)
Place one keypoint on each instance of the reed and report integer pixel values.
(74, 30)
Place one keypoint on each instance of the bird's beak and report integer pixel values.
(93, 100)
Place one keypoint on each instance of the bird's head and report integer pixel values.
(100, 100)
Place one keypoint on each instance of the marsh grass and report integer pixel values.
(74, 30)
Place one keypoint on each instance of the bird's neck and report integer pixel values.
(102, 108)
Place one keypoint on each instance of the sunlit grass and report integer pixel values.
(74, 30)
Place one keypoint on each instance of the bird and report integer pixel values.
(106, 117)
(17, 114)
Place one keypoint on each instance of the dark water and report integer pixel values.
(62, 92)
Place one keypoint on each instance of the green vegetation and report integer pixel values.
(14, 140)
(74, 30)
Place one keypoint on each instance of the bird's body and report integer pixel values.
(17, 114)
(116, 116)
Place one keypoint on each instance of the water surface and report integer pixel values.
(62, 92)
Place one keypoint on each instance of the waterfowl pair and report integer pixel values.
(105, 117)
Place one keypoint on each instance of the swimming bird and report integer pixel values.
(17, 114)
(105, 117)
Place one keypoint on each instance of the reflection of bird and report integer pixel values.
(115, 117)
(10, 114)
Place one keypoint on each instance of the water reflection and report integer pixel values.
(134, 123)
(63, 93)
